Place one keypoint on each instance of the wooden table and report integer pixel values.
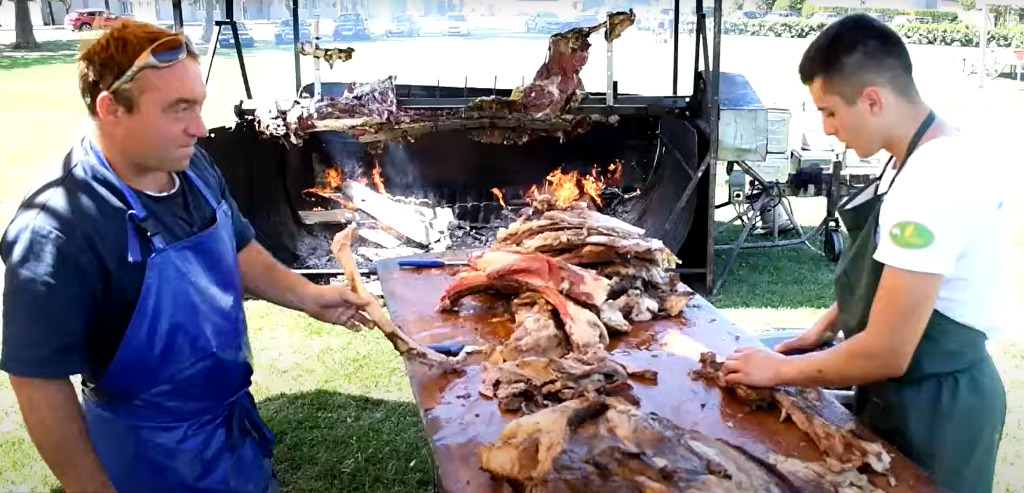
(457, 419)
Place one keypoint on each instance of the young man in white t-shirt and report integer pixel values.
(920, 286)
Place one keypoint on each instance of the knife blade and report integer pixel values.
(430, 262)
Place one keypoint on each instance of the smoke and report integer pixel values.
(341, 150)
(402, 173)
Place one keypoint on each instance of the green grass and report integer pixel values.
(339, 402)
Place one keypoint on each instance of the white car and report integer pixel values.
(457, 25)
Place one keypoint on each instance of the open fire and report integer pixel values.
(566, 188)
(399, 223)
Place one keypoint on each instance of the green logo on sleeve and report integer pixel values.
(911, 235)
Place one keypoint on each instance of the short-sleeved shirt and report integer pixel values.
(70, 290)
(946, 214)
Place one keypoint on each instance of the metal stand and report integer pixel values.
(774, 194)
(229, 10)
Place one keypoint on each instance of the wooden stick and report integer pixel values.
(405, 345)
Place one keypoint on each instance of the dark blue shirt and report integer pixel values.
(69, 289)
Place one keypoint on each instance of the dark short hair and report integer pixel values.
(856, 51)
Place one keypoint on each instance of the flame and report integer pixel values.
(379, 181)
(330, 181)
(566, 188)
(592, 185)
(501, 199)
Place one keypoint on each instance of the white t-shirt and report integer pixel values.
(946, 214)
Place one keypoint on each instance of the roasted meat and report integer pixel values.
(533, 383)
(840, 446)
(601, 444)
(536, 332)
(617, 23)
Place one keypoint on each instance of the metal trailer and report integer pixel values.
(675, 140)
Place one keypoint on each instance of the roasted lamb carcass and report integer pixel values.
(605, 444)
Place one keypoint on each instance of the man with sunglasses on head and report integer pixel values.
(921, 286)
(129, 269)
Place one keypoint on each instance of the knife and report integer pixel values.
(453, 349)
(430, 262)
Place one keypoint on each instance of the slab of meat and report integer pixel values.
(568, 219)
(711, 371)
(582, 285)
(532, 383)
(814, 476)
(560, 284)
(617, 23)
(600, 444)
(557, 83)
(840, 446)
(536, 333)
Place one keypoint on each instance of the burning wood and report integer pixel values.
(842, 449)
(422, 225)
(406, 346)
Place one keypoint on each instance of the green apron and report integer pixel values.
(946, 412)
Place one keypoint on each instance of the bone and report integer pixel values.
(405, 345)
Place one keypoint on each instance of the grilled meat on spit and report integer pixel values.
(329, 55)
(841, 448)
(536, 109)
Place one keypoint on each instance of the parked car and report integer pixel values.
(458, 25)
(227, 40)
(350, 26)
(746, 15)
(587, 20)
(882, 17)
(285, 34)
(826, 17)
(89, 19)
(778, 15)
(910, 19)
(547, 23)
(402, 25)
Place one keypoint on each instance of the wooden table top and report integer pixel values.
(457, 420)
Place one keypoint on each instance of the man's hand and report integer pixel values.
(54, 420)
(822, 332)
(757, 367)
(337, 305)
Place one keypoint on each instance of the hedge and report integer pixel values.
(927, 34)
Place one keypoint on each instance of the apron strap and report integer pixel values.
(211, 198)
(136, 217)
(915, 141)
(911, 147)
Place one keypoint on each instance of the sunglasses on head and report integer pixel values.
(163, 53)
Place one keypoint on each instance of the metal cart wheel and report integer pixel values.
(833, 245)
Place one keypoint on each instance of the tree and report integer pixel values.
(789, 5)
(209, 7)
(967, 5)
(24, 37)
(763, 5)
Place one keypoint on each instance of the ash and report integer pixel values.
(466, 237)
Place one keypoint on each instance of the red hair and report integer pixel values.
(106, 59)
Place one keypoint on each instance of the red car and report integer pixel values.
(89, 19)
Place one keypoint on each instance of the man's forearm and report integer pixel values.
(54, 420)
(265, 278)
(856, 361)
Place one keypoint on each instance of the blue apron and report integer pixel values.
(173, 411)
